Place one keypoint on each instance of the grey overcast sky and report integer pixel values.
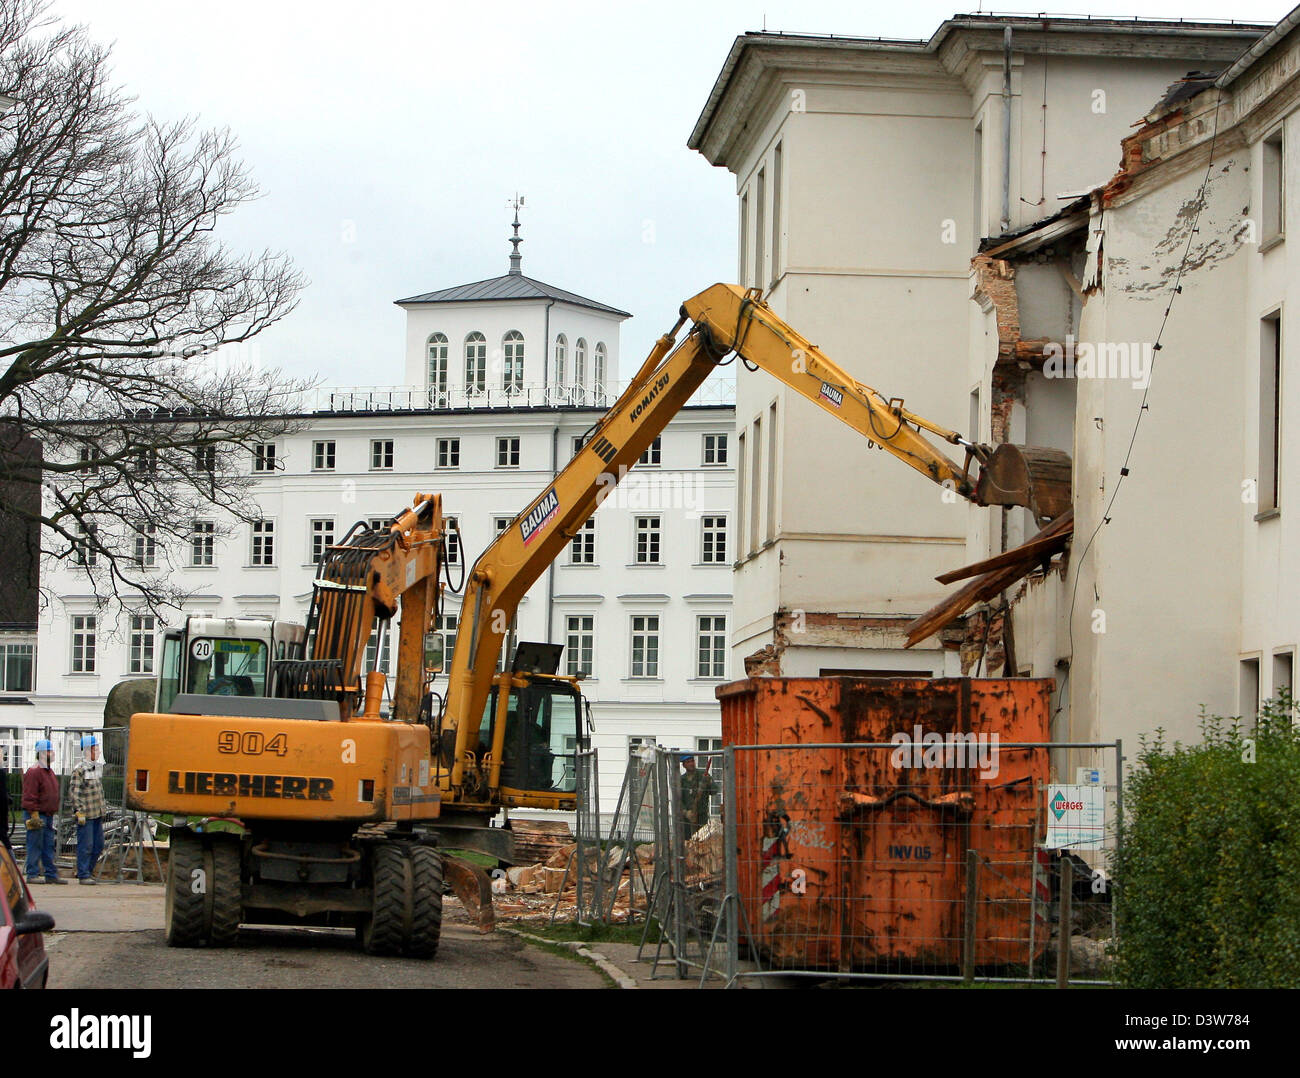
(387, 138)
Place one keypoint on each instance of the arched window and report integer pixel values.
(599, 363)
(512, 344)
(560, 345)
(580, 362)
(438, 362)
(476, 362)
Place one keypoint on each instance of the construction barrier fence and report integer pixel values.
(957, 860)
(124, 830)
(951, 859)
(686, 890)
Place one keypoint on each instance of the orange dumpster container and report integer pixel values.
(855, 858)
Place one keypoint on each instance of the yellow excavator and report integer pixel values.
(306, 804)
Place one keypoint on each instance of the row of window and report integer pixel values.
(203, 458)
(447, 453)
(646, 549)
(710, 658)
(324, 455)
(580, 647)
(512, 362)
(647, 542)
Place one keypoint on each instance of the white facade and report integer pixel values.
(489, 456)
(866, 174)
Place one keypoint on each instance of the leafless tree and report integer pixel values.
(123, 321)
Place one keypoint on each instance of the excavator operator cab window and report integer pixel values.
(541, 733)
(490, 717)
(226, 667)
(169, 678)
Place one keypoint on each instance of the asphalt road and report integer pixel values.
(111, 937)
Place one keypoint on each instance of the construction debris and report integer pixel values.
(993, 576)
(536, 840)
(547, 890)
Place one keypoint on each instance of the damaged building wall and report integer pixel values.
(1026, 301)
(1191, 571)
(811, 644)
(872, 263)
(1159, 591)
(1035, 299)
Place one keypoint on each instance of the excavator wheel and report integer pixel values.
(227, 890)
(426, 902)
(383, 933)
(186, 892)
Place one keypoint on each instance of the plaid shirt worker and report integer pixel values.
(87, 793)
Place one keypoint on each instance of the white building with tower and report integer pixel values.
(503, 378)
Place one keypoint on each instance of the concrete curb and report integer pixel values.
(595, 957)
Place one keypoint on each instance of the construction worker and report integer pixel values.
(87, 791)
(40, 803)
(697, 792)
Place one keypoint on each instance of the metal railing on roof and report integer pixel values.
(464, 398)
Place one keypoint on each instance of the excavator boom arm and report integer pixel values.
(738, 320)
(725, 318)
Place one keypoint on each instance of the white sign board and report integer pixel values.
(1089, 776)
(1076, 817)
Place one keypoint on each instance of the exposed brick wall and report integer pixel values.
(995, 281)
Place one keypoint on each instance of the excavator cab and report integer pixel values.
(542, 721)
(541, 736)
(223, 657)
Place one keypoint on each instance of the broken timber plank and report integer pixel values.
(1051, 539)
(1012, 565)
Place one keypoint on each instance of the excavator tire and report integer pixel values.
(227, 891)
(426, 902)
(184, 909)
(385, 931)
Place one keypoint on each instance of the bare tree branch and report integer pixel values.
(122, 319)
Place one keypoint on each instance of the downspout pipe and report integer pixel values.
(1006, 128)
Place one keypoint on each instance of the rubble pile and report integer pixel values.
(536, 840)
(529, 892)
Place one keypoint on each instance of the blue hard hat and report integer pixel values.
(43, 745)
(89, 740)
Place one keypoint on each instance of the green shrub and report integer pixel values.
(1208, 875)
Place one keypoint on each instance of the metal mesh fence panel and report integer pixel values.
(586, 865)
(939, 859)
(688, 888)
(66, 743)
(631, 833)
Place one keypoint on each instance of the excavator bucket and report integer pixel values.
(1032, 476)
(472, 886)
